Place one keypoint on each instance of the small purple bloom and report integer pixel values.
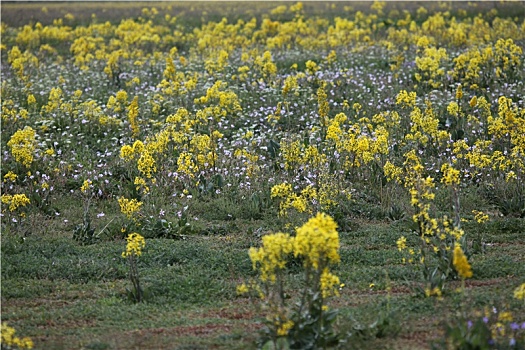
(469, 324)
(514, 326)
(512, 342)
(485, 320)
(523, 325)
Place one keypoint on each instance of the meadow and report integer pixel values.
(273, 175)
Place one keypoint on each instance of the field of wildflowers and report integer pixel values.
(286, 175)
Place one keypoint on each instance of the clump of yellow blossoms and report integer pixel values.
(9, 340)
(461, 263)
(272, 256)
(292, 200)
(10, 176)
(133, 113)
(15, 201)
(134, 246)
(519, 293)
(129, 207)
(318, 242)
(480, 217)
(23, 145)
(86, 186)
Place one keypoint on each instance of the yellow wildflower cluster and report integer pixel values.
(23, 145)
(450, 175)
(117, 102)
(406, 99)
(290, 85)
(129, 207)
(15, 201)
(436, 291)
(10, 176)
(480, 216)
(134, 246)
(128, 152)
(429, 64)
(476, 64)
(133, 113)
(284, 328)
(193, 91)
(519, 292)
(461, 263)
(360, 144)
(425, 127)
(86, 186)
(292, 200)
(318, 242)
(22, 62)
(10, 340)
(323, 107)
(330, 284)
(401, 243)
(272, 256)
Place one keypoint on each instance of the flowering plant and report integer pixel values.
(133, 250)
(308, 324)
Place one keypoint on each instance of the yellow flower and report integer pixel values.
(285, 328)
(519, 293)
(318, 241)
(135, 244)
(10, 176)
(242, 289)
(459, 92)
(461, 263)
(15, 201)
(272, 256)
(126, 152)
(23, 145)
(401, 243)
(86, 185)
(311, 67)
(473, 102)
(451, 176)
(9, 340)
(435, 291)
(406, 99)
(129, 207)
(480, 217)
(329, 284)
(122, 96)
(133, 113)
(31, 99)
(505, 316)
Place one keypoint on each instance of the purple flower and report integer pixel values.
(469, 324)
(485, 320)
(512, 342)
(514, 326)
